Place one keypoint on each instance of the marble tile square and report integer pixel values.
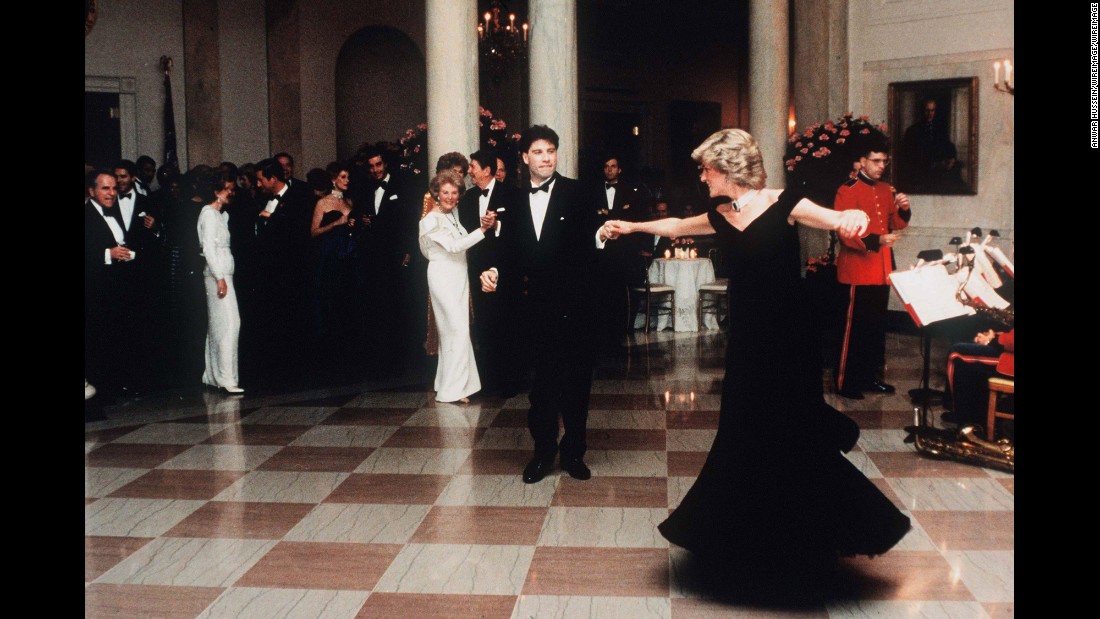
(908, 575)
(435, 606)
(626, 439)
(257, 434)
(691, 440)
(282, 487)
(677, 488)
(321, 565)
(328, 399)
(999, 474)
(989, 574)
(498, 490)
(879, 419)
(414, 460)
(136, 517)
(101, 481)
(344, 436)
(629, 419)
(1009, 484)
(626, 463)
(916, 608)
(293, 458)
(950, 530)
(349, 416)
(361, 524)
(1000, 610)
(514, 418)
(913, 464)
(938, 494)
(389, 400)
(434, 437)
(631, 402)
(686, 463)
(190, 562)
(604, 527)
(178, 484)
(862, 461)
(569, 606)
(481, 524)
(144, 601)
(132, 455)
(222, 457)
(891, 439)
(507, 438)
(290, 415)
(241, 520)
(612, 492)
(628, 572)
(495, 462)
(101, 553)
(916, 539)
(261, 603)
(385, 488)
(692, 420)
(171, 433)
(450, 416)
(107, 435)
(702, 608)
(457, 568)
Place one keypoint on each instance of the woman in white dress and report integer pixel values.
(224, 321)
(444, 242)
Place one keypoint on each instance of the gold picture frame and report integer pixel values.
(934, 149)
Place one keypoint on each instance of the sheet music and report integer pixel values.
(983, 267)
(1000, 258)
(982, 292)
(929, 294)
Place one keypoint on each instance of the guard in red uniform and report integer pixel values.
(863, 264)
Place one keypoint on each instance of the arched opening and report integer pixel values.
(381, 87)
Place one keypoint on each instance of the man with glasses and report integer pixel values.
(863, 265)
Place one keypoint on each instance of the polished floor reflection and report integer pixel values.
(373, 500)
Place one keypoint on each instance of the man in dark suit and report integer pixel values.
(277, 313)
(619, 262)
(547, 256)
(111, 292)
(494, 328)
(287, 162)
(389, 212)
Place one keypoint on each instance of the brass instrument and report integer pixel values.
(964, 445)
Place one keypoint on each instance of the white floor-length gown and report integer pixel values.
(444, 242)
(224, 320)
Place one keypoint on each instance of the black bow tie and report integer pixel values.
(126, 195)
(607, 186)
(384, 184)
(485, 192)
(543, 187)
(114, 213)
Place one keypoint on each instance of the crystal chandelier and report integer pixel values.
(501, 40)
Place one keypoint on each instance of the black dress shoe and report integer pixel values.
(577, 469)
(850, 393)
(878, 387)
(536, 469)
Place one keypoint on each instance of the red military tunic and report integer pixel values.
(864, 261)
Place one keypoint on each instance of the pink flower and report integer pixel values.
(798, 145)
(516, 136)
(422, 126)
(417, 149)
(492, 142)
(882, 127)
(865, 131)
(809, 133)
(840, 140)
(484, 112)
(823, 136)
(798, 157)
(497, 125)
(845, 132)
(865, 118)
(804, 151)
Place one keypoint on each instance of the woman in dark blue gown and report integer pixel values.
(775, 487)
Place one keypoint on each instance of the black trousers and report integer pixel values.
(969, 367)
(564, 355)
(863, 348)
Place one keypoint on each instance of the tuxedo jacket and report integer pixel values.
(482, 256)
(394, 224)
(282, 240)
(104, 283)
(554, 273)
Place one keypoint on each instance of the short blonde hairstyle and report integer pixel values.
(446, 177)
(735, 153)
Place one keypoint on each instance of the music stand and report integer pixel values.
(924, 394)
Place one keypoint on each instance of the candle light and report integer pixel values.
(667, 255)
(480, 31)
(487, 17)
(512, 21)
(525, 32)
(1008, 73)
(996, 73)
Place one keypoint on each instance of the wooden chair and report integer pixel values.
(659, 298)
(998, 385)
(713, 298)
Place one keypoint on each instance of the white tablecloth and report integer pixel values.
(685, 276)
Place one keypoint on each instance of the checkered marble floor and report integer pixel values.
(380, 502)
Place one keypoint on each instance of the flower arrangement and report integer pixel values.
(819, 160)
(412, 149)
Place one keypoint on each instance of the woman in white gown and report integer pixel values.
(444, 242)
(224, 321)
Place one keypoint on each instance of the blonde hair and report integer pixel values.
(735, 153)
(446, 177)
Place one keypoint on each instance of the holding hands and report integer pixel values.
(488, 220)
(615, 228)
(852, 223)
(489, 281)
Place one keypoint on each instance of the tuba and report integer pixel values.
(964, 445)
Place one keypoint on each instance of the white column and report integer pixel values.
(452, 77)
(553, 64)
(768, 83)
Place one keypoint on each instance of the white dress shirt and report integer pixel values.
(125, 206)
(379, 193)
(273, 203)
(116, 231)
(539, 201)
(610, 191)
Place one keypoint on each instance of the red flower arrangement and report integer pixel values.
(412, 149)
(830, 166)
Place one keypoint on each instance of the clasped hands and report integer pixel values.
(615, 228)
(488, 220)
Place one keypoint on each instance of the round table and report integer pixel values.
(685, 275)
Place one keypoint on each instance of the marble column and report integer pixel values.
(552, 57)
(452, 77)
(768, 83)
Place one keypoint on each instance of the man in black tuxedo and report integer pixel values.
(276, 315)
(494, 328)
(146, 175)
(287, 162)
(547, 257)
(112, 292)
(619, 262)
(389, 212)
